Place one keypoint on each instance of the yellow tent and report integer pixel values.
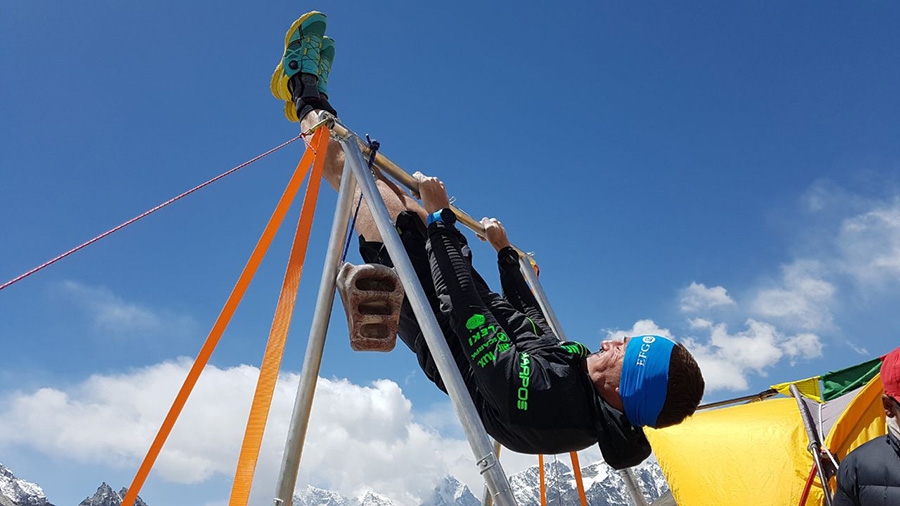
(756, 454)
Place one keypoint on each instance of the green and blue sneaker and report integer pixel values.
(301, 77)
(326, 57)
(302, 46)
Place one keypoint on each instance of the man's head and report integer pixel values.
(890, 380)
(655, 381)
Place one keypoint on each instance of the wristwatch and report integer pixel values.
(444, 215)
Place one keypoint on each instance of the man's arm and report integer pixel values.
(515, 288)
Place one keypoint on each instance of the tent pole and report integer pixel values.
(765, 394)
(815, 444)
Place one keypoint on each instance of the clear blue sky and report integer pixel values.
(727, 174)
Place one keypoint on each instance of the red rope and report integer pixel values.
(146, 213)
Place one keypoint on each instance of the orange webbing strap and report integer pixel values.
(576, 467)
(543, 483)
(221, 322)
(268, 371)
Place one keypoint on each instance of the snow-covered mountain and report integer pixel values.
(313, 496)
(450, 492)
(106, 496)
(16, 492)
(373, 499)
(603, 487)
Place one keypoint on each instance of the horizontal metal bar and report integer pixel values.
(765, 394)
(387, 166)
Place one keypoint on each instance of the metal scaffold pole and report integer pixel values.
(290, 463)
(541, 296)
(627, 475)
(481, 445)
(634, 490)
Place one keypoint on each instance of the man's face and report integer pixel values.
(613, 356)
(605, 370)
(891, 407)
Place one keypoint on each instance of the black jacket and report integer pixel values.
(566, 412)
(554, 410)
(870, 474)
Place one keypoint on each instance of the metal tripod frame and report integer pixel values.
(498, 490)
(481, 444)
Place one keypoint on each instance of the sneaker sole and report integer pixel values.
(290, 112)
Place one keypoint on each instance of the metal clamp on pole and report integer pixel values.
(486, 499)
(487, 462)
(465, 408)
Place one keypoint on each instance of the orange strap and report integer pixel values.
(221, 322)
(576, 467)
(543, 483)
(268, 371)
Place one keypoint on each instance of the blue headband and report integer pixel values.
(645, 378)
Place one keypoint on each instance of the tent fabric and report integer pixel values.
(825, 415)
(809, 387)
(861, 421)
(749, 454)
(756, 453)
(833, 384)
(837, 383)
(828, 414)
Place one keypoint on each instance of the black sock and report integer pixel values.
(305, 92)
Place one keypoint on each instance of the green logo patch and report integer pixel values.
(476, 321)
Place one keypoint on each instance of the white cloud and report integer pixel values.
(869, 245)
(800, 302)
(824, 196)
(849, 251)
(697, 297)
(113, 315)
(803, 346)
(700, 323)
(803, 300)
(727, 359)
(109, 311)
(359, 437)
(442, 417)
(640, 328)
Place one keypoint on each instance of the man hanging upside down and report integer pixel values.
(533, 393)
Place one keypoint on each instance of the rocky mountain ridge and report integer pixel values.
(602, 488)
